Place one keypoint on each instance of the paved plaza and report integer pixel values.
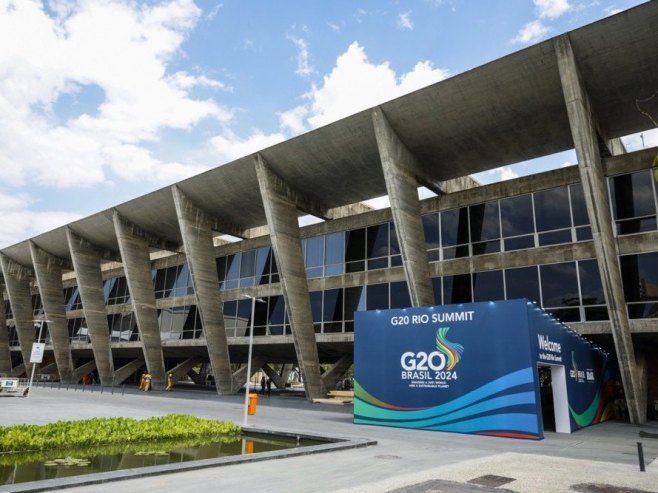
(591, 460)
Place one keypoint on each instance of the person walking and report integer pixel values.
(269, 386)
(170, 382)
(147, 382)
(142, 381)
(262, 385)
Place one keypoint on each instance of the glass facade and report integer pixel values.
(634, 203)
(572, 291)
(543, 218)
(172, 282)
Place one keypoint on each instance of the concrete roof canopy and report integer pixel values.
(504, 112)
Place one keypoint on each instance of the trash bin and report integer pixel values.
(253, 402)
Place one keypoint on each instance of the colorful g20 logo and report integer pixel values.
(446, 356)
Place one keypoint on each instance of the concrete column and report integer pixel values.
(271, 373)
(128, 369)
(137, 267)
(281, 215)
(583, 129)
(49, 278)
(5, 352)
(195, 227)
(398, 165)
(87, 265)
(17, 283)
(337, 371)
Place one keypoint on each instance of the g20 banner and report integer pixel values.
(468, 368)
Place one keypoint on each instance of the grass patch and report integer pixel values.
(109, 431)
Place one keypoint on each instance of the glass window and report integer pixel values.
(377, 297)
(221, 270)
(640, 276)
(248, 264)
(122, 327)
(632, 195)
(314, 251)
(555, 237)
(37, 305)
(485, 224)
(400, 295)
(591, 288)
(516, 216)
(552, 209)
(316, 305)
(457, 289)
(172, 321)
(230, 320)
(431, 230)
(519, 243)
(488, 286)
(72, 298)
(335, 250)
(559, 285)
(578, 205)
(263, 265)
(454, 227)
(522, 282)
(243, 318)
(277, 307)
(355, 245)
(377, 241)
(436, 286)
(333, 305)
(355, 300)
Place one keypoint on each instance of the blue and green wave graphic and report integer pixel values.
(453, 351)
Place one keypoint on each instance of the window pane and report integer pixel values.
(377, 237)
(488, 286)
(355, 300)
(457, 289)
(555, 237)
(377, 297)
(248, 264)
(333, 305)
(454, 227)
(316, 305)
(315, 251)
(263, 265)
(355, 245)
(632, 195)
(591, 288)
(243, 318)
(516, 216)
(639, 275)
(400, 295)
(436, 285)
(559, 285)
(519, 243)
(335, 244)
(578, 205)
(431, 230)
(277, 306)
(233, 266)
(552, 209)
(485, 224)
(522, 283)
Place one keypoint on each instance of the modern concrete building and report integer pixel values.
(150, 284)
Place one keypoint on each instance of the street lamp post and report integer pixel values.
(35, 358)
(251, 343)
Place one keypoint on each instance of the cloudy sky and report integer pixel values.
(102, 101)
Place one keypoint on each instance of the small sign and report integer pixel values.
(8, 383)
(37, 352)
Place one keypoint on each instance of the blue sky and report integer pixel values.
(102, 101)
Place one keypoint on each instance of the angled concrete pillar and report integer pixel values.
(281, 214)
(240, 375)
(137, 267)
(5, 351)
(337, 371)
(399, 167)
(87, 265)
(182, 369)
(49, 279)
(128, 369)
(17, 283)
(582, 120)
(271, 373)
(195, 228)
(82, 370)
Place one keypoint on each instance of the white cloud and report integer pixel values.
(355, 84)
(612, 10)
(213, 13)
(405, 22)
(304, 67)
(122, 48)
(20, 222)
(531, 32)
(551, 9)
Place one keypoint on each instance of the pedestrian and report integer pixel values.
(142, 381)
(269, 386)
(170, 382)
(262, 385)
(147, 382)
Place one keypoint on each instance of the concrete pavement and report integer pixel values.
(409, 460)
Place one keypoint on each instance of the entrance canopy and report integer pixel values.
(472, 368)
